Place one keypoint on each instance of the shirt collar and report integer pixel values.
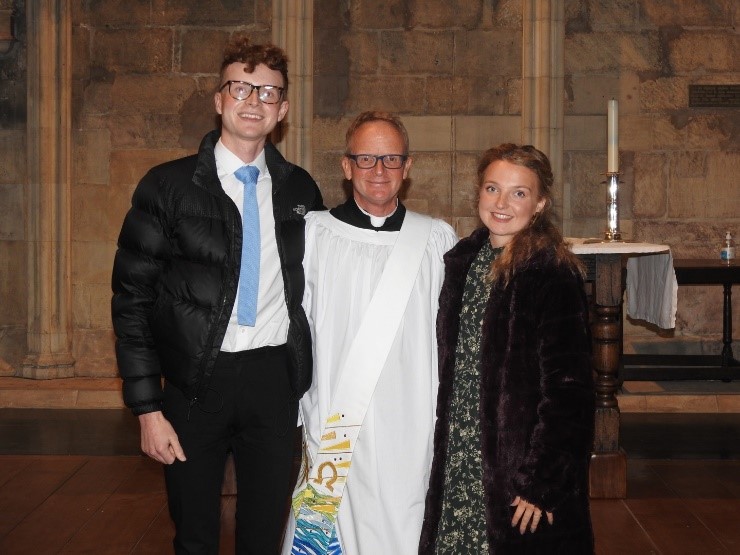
(227, 162)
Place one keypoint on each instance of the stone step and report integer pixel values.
(705, 396)
(635, 396)
(67, 393)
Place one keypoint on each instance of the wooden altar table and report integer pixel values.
(657, 291)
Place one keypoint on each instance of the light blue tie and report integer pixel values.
(249, 274)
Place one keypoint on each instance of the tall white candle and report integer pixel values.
(612, 144)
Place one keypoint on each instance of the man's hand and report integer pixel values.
(526, 512)
(158, 438)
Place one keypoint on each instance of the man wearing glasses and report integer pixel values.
(207, 285)
(373, 275)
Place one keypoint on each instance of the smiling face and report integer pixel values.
(376, 189)
(245, 124)
(508, 198)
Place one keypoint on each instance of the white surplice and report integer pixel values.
(383, 504)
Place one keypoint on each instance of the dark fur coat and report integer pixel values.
(537, 402)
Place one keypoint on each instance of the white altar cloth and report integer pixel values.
(652, 289)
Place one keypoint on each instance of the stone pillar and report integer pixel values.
(292, 29)
(543, 31)
(48, 233)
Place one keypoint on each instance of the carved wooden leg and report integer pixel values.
(608, 474)
(727, 355)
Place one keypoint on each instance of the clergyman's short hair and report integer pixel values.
(375, 115)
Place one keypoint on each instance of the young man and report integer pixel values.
(373, 276)
(207, 286)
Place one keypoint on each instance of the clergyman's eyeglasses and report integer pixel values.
(367, 161)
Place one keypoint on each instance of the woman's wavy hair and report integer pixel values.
(541, 234)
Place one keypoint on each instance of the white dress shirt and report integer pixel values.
(271, 327)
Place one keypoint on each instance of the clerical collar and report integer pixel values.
(352, 214)
(377, 221)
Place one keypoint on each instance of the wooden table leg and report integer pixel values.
(727, 356)
(608, 473)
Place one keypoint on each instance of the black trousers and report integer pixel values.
(247, 410)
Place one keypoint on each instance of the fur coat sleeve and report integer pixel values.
(554, 392)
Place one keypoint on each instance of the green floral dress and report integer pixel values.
(462, 527)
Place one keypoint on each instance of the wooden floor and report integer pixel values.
(109, 504)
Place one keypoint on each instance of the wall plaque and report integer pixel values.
(714, 96)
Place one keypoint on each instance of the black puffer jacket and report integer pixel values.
(176, 272)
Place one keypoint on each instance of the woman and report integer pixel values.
(516, 401)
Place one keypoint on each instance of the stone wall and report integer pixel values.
(144, 72)
(451, 70)
(679, 164)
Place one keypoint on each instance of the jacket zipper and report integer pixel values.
(194, 400)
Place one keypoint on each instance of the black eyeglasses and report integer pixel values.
(367, 161)
(240, 90)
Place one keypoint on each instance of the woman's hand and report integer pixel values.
(525, 513)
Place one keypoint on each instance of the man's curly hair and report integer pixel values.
(239, 50)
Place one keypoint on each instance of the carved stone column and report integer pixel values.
(292, 29)
(543, 31)
(48, 224)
